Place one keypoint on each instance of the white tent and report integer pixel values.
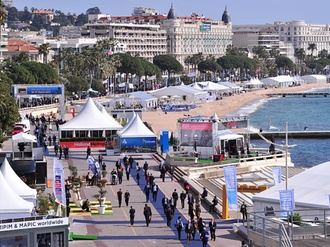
(127, 125)
(12, 205)
(311, 190)
(107, 115)
(233, 87)
(195, 85)
(279, 81)
(24, 137)
(90, 118)
(182, 90)
(137, 137)
(254, 83)
(314, 78)
(211, 86)
(21, 188)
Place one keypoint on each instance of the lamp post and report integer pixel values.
(286, 157)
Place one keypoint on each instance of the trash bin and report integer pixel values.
(216, 157)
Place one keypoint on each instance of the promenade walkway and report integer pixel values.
(114, 230)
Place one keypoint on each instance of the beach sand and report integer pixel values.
(161, 121)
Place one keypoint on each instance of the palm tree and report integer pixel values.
(3, 16)
(312, 47)
(44, 51)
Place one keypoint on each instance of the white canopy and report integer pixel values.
(127, 125)
(311, 190)
(279, 81)
(177, 90)
(195, 85)
(137, 128)
(314, 78)
(106, 114)
(24, 137)
(12, 205)
(90, 118)
(254, 82)
(21, 188)
(211, 86)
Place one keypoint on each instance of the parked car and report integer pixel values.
(17, 129)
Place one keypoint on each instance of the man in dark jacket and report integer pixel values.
(132, 215)
(183, 196)
(147, 214)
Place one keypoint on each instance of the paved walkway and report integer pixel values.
(114, 230)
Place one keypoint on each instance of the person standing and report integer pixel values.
(165, 203)
(147, 192)
(154, 192)
(147, 214)
(198, 210)
(132, 215)
(163, 173)
(169, 216)
(145, 167)
(130, 161)
(244, 211)
(172, 204)
(179, 226)
(128, 170)
(205, 237)
(204, 193)
(88, 152)
(175, 196)
(61, 151)
(138, 177)
(119, 197)
(189, 230)
(215, 202)
(127, 196)
(183, 196)
(66, 152)
(100, 158)
(120, 175)
(49, 140)
(54, 139)
(213, 227)
(56, 148)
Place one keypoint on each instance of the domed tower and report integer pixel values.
(171, 14)
(226, 17)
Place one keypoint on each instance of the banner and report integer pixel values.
(286, 201)
(94, 166)
(231, 186)
(58, 182)
(277, 174)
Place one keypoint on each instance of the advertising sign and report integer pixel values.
(206, 26)
(58, 182)
(231, 186)
(277, 174)
(33, 224)
(286, 201)
(196, 132)
(138, 141)
(83, 144)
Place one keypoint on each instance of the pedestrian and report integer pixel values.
(154, 192)
(179, 226)
(205, 237)
(104, 166)
(175, 196)
(151, 179)
(163, 173)
(61, 151)
(189, 230)
(128, 170)
(183, 196)
(88, 152)
(198, 199)
(132, 215)
(119, 197)
(145, 167)
(147, 214)
(194, 224)
(172, 204)
(113, 174)
(49, 140)
(66, 152)
(204, 193)
(169, 216)
(138, 177)
(54, 139)
(130, 161)
(213, 227)
(126, 196)
(165, 203)
(120, 175)
(244, 211)
(215, 202)
(147, 192)
(198, 210)
(100, 158)
(200, 225)
(56, 148)
(187, 187)
(191, 200)
(191, 212)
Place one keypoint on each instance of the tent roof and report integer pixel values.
(311, 188)
(229, 84)
(24, 137)
(21, 188)
(11, 201)
(141, 96)
(128, 124)
(278, 79)
(214, 87)
(318, 77)
(90, 117)
(137, 128)
(176, 90)
(195, 85)
(254, 81)
(106, 114)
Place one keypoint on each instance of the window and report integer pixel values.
(67, 134)
(96, 133)
(58, 239)
(81, 133)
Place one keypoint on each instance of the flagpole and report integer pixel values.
(286, 157)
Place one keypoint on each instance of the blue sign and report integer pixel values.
(138, 142)
(231, 186)
(286, 201)
(43, 90)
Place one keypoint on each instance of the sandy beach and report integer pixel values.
(161, 121)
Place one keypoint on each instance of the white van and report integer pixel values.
(25, 124)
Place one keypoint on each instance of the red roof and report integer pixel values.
(20, 45)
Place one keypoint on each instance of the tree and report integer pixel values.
(284, 63)
(208, 65)
(92, 11)
(323, 54)
(44, 51)
(21, 57)
(300, 54)
(312, 47)
(18, 73)
(168, 63)
(260, 52)
(43, 73)
(9, 114)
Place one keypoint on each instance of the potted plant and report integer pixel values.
(100, 197)
(110, 150)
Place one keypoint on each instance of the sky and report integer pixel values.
(241, 11)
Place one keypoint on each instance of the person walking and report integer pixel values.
(147, 192)
(205, 237)
(175, 196)
(132, 215)
(61, 151)
(204, 193)
(120, 175)
(128, 170)
(130, 161)
(189, 230)
(183, 196)
(165, 203)
(100, 158)
(179, 226)
(213, 227)
(244, 211)
(119, 197)
(154, 192)
(127, 196)
(147, 214)
(215, 202)
(198, 210)
(169, 216)
(66, 152)
(56, 148)
(138, 177)
(194, 224)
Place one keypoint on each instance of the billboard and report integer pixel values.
(146, 144)
(206, 26)
(199, 132)
(35, 89)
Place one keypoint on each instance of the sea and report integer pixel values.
(300, 113)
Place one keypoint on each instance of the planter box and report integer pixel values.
(101, 209)
(110, 152)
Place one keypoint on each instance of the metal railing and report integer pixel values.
(280, 228)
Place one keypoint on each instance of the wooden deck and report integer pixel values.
(309, 94)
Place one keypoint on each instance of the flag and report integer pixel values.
(286, 201)
(277, 174)
(94, 166)
(58, 183)
(258, 70)
(231, 186)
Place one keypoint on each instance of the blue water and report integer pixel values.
(312, 113)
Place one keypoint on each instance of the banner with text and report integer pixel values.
(286, 201)
(231, 186)
(277, 174)
(58, 182)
